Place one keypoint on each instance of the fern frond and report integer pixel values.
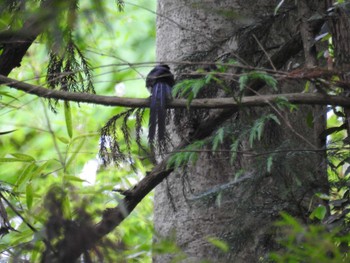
(188, 155)
(254, 75)
(116, 139)
(258, 127)
(69, 71)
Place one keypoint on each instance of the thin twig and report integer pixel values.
(263, 49)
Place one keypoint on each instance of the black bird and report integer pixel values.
(159, 83)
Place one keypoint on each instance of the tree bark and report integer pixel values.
(236, 203)
(339, 23)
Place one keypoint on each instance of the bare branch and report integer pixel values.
(209, 103)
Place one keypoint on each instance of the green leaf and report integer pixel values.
(258, 127)
(288, 220)
(246, 78)
(256, 131)
(12, 160)
(310, 119)
(274, 118)
(234, 149)
(188, 154)
(39, 169)
(319, 212)
(323, 196)
(218, 138)
(182, 88)
(62, 139)
(188, 88)
(307, 86)
(68, 118)
(66, 206)
(73, 178)
(197, 86)
(7, 94)
(243, 80)
(29, 195)
(23, 157)
(219, 244)
(25, 175)
(282, 102)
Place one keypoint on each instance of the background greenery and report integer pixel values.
(41, 154)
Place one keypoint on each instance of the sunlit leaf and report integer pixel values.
(319, 213)
(66, 206)
(63, 139)
(68, 118)
(73, 178)
(24, 157)
(11, 160)
(25, 175)
(29, 195)
(219, 243)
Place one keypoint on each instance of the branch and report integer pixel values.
(74, 247)
(17, 43)
(208, 103)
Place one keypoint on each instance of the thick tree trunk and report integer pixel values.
(209, 199)
(339, 23)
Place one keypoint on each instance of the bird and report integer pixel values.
(159, 82)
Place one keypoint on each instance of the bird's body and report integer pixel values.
(159, 82)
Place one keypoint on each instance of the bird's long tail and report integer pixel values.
(160, 93)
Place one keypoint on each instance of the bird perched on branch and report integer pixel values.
(159, 83)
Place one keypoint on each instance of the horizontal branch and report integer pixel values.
(209, 103)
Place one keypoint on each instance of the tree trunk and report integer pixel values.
(339, 23)
(236, 203)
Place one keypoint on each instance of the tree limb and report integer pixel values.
(208, 103)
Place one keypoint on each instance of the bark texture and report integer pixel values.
(209, 199)
(339, 24)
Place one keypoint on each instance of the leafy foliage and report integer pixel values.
(255, 75)
(188, 88)
(51, 178)
(311, 243)
(189, 155)
(258, 127)
(70, 71)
